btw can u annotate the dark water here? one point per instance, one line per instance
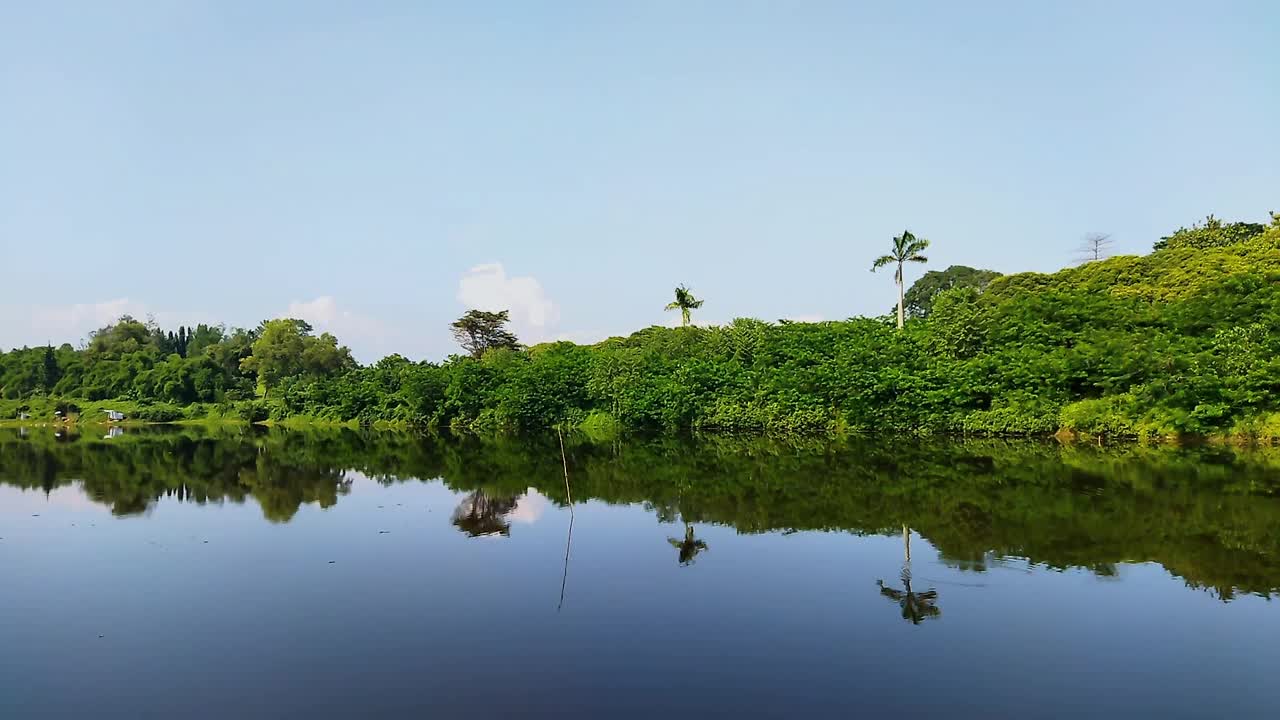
(344, 574)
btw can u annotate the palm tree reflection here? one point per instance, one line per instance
(479, 515)
(916, 606)
(689, 547)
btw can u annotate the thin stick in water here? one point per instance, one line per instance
(565, 461)
(568, 543)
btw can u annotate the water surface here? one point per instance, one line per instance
(287, 574)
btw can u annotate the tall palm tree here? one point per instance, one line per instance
(685, 302)
(906, 248)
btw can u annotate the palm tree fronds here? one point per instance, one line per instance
(906, 248)
(917, 245)
(684, 302)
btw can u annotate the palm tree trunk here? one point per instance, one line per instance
(901, 300)
(906, 541)
(684, 316)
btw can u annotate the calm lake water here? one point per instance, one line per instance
(286, 574)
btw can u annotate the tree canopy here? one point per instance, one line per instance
(286, 348)
(479, 331)
(1185, 340)
(923, 292)
(1213, 233)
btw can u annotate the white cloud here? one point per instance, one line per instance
(534, 316)
(64, 499)
(33, 325)
(368, 337)
(323, 314)
(87, 315)
(529, 507)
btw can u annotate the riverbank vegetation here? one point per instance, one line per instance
(1183, 341)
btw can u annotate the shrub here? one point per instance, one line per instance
(252, 411)
(158, 414)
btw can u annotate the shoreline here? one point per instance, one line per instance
(1062, 436)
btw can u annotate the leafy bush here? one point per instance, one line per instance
(158, 414)
(252, 411)
(1112, 416)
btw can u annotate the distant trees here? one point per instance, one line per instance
(51, 373)
(1184, 340)
(920, 297)
(204, 337)
(906, 248)
(127, 335)
(479, 331)
(686, 303)
(1212, 233)
(286, 348)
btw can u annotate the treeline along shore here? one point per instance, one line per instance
(1184, 341)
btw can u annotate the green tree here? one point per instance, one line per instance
(286, 348)
(1210, 234)
(906, 248)
(52, 373)
(686, 303)
(956, 324)
(123, 337)
(922, 293)
(479, 331)
(203, 337)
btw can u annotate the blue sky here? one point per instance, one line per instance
(377, 167)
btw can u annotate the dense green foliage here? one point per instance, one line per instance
(132, 359)
(923, 292)
(287, 349)
(1207, 514)
(1185, 340)
(1212, 233)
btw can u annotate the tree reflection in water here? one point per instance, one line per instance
(479, 515)
(916, 606)
(689, 547)
(1207, 514)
